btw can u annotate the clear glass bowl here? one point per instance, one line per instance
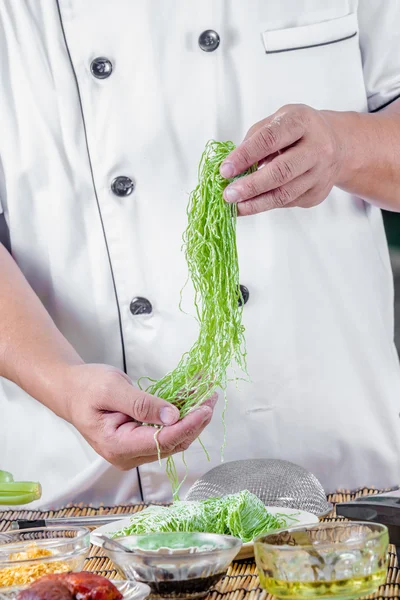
(175, 565)
(331, 560)
(61, 549)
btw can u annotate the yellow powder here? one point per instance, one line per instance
(25, 574)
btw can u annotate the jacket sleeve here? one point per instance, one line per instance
(379, 24)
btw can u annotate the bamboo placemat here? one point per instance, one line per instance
(241, 581)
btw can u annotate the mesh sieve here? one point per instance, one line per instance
(275, 482)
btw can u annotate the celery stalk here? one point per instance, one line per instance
(6, 477)
(20, 487)
(17, 499)
(19, 492)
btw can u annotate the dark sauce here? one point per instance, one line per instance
(196, 587)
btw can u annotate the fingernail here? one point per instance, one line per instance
(231, 194)
(227, 170)
(168, 415)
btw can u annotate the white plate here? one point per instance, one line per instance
(247, 550)
(131, 590)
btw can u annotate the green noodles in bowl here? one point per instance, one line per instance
(240, 515)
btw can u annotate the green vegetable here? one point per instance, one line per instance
(17, 492)
(6, 477)
(209, 243)
(242, 515)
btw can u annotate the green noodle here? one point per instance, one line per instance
(209, 244)
(242, 515)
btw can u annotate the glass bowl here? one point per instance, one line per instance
(27, 554)
(331, 560)
(175, 565)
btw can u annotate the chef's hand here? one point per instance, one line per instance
(109, 411)
(300, 156)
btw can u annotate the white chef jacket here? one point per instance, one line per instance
(325, 379)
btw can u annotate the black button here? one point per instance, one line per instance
(122, 186)
(101, 68)
(209, 40)
(141, 306)
(244, 295)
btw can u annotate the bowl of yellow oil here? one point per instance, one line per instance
(343, 560)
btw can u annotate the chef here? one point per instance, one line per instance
(105, 111)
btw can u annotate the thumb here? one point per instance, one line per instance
(143, 407)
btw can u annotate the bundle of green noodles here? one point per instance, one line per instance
(209, 243)
(242, 515)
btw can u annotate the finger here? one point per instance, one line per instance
(130, 444)
(129, 439)
(311, 198)
(184, 433)
(141, 442)
(285, 167)
(114, 420)
(120, 396)
(126, 377)
(265, 161)
(277, 132)
(253, 129)
(281, 197)
(212, 401)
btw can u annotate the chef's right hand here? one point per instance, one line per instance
(108, 411)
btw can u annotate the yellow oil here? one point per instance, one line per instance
(342, 588)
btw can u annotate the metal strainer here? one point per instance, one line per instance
(275, 482)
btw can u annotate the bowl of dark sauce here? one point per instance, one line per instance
(175, 565)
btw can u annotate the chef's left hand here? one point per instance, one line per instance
(300, 159)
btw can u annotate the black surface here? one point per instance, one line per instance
(4, 233)
(26, 524)
(383, 510)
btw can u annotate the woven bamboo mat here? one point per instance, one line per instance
(241, 581)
